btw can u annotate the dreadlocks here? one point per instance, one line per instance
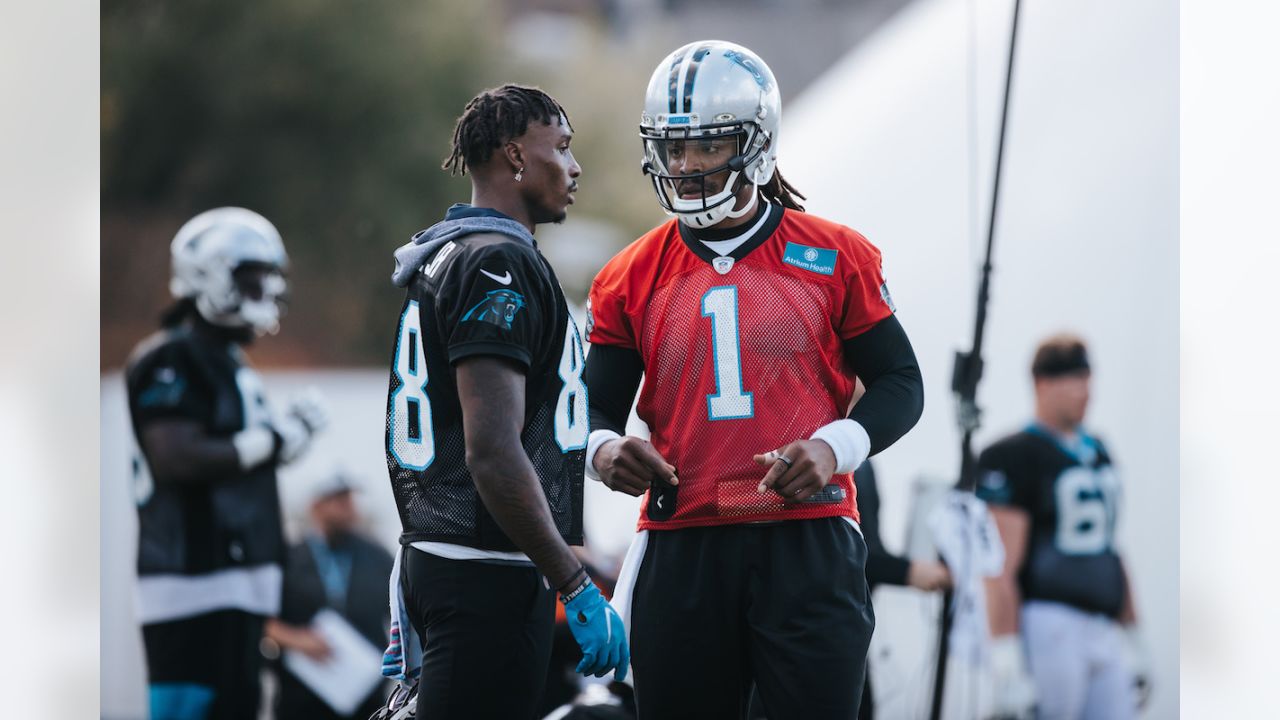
(494, 117)
(779, 191)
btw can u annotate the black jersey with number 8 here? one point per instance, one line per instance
(483, 294)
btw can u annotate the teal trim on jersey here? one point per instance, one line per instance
(1085, 454)
(816, 260)
(164, 393)
(179, 701)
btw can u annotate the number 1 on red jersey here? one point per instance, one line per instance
(730, 401)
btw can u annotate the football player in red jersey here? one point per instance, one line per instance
(750, 322)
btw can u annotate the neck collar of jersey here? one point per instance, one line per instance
(1080, 446)
(693, 238)
(460, 211)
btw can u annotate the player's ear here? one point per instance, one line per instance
(514, 153)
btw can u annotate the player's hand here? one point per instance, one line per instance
(307, 415)
(310, 408)
(798, 470)
(1140, 664)
(928, 575)
(598, 630)
(312, 644)
(1014, 689)
(630, 464)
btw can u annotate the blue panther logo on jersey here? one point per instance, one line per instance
(498, 307)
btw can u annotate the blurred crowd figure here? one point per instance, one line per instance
(1064, 631)
(333, 567)
(211, 542)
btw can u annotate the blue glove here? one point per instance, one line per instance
(599, 632)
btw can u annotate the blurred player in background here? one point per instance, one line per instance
(334, 567)
(210, 542)
(750, 321)
(1059, 611)
(487, 426)
(885, 568)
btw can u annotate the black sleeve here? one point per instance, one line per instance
(882, 567)
(493, 300)
(1005, 477)
(883, 359)
(612, 375)
(166, 383)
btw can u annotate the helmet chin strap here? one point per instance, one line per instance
(755, 197)
(701, 218)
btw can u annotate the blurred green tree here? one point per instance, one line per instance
(330, 118)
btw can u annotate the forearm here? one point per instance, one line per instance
(886, 569)
(612, 375)
(1129, 610)
(1003, 601)
(510, 491)
(181, 452)
(491, 392)
(284, 634)
(884, 360)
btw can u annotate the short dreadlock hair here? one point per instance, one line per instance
(494, 117)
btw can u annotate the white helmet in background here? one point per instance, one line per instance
(207, 253)
(711, 88)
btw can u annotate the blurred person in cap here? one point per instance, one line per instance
(1062, 613)
(210, 538)
(486, 428)
(749, 321)
(338, 568)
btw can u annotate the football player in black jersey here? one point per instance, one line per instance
(486, 429)
(210, 542)
(1060, 610)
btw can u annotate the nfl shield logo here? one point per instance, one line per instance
(722, 265)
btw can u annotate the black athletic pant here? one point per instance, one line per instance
(218, 651)
(782, 604)
(487, 632)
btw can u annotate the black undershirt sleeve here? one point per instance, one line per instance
(883, 359)
(612, 375)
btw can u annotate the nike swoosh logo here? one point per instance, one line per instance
(504, 278)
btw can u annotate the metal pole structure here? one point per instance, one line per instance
(968, 371)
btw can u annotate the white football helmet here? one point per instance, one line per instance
(207, 252)
(710, 88)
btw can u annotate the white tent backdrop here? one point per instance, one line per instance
(1086, 240)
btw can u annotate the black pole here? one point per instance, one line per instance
(968, 371)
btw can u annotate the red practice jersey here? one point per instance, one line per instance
(741, 356)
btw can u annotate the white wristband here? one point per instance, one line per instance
(594, 441)
(254, 446)
(849, 442)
